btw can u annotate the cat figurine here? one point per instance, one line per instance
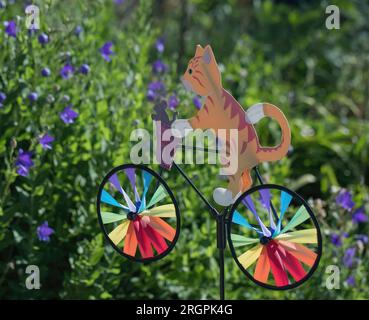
(221, 111)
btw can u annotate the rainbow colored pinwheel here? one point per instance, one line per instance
(282, 251)
(137, 211)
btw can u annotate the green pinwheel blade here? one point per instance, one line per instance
(109, 217)
(159, 194)
(239, 241)
(300, 216)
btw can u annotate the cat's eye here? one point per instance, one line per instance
(190, 71)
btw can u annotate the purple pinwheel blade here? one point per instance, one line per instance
(115, 182)
(131, 174)
(247, 201)
(265, 197)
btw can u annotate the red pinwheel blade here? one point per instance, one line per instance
(279, 274)
(292, 265)
(163, 228)
(143, 240)
(299, 251)
(156, 239)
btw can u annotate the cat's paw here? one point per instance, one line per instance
(255, 113)
(224, 197)
(180, 128)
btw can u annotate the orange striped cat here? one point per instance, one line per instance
(222, 111)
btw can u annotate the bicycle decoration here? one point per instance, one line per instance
(272, 232)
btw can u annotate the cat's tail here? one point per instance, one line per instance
(261, 110)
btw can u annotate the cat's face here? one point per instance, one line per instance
(202, 75)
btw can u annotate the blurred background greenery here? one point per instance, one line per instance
(275, 51)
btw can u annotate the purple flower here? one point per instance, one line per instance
(363, 238)
(336, 239)
(45, 72)
(159, 67)
(2, 98)
(344, 199)
(348, 258)
(118, 2)
(68, 115)
(24, 162)
(173, 102)
(84, 69)
(106, 50)
(351, 281)
(159, 45)
(67, 71)
(43, 38)
(44, 232)
(197, 102)
(359, 215)
(11, 28)
(33, 96)
(157, 86)
(155, 89)
(78, 30)
(45, 141)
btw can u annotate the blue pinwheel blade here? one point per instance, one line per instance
(147, 178)
(285, 202)
(242, 221)
(106, 197)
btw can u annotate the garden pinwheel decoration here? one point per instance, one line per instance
(272, 232)
(140, 222)
(274, 237)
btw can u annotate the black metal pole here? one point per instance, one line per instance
(221, 244)
(221, 274)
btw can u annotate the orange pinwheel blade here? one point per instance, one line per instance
(163, 228)
(299, 251)
(262, 268)
(130, 243)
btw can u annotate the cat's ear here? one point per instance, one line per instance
(199, 50)
(208, 55)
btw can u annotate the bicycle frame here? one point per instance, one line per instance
(220, 217)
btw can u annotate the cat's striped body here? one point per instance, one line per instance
(222, 111)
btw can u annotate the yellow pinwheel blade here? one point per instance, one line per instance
(118, 234)
(250, 256)
(164, 211)
(300, 236)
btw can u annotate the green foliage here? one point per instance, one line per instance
(271, 52)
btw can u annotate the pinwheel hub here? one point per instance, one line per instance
(132, 216)
(265, 240)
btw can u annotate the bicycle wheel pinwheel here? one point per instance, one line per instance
(138, 213)
(274, 237)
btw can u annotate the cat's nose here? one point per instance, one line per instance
(186, 84)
